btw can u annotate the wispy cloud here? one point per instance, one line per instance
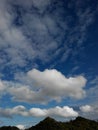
(41, 30)
(2, 88)
(45, 34)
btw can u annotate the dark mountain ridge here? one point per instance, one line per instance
(79, 123)
(48, 123)
(8, 128)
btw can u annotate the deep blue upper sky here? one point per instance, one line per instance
(48, 60)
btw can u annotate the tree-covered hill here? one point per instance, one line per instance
(48, 123)
(78, 124)
(9, 128)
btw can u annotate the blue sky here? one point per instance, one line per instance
(48, 60)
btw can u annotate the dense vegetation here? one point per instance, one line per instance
(50, 124)
(78, 124)
(9, 128)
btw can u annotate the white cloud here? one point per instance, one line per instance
(15, 46)
(9, 112)
(38, 112)
(86, 108)
(41, 87)
(21, 127)
(92, 93)
(56, 111)
(94, 81)
(53, 83)
(2, 88)
(20, 110)
(25, 94)
(13, 53)
(90, 111)
(45, 32)
(41, 4)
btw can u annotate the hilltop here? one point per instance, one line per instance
(79, 123)
(49, 123)
(9, 128)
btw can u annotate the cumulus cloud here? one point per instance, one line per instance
(86, 108)
(38, 112)
(25, 94)
(92, 92)
(21, 127)
(20, 110)
(9, 112)
(57, 111)
(90, 111)
(45, 86)
(53, 83)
